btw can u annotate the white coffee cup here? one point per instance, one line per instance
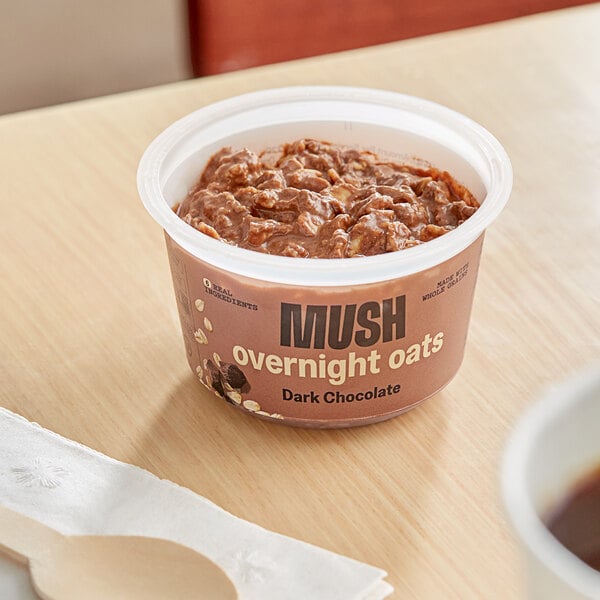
(554, 445)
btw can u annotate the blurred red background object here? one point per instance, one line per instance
(227, 35)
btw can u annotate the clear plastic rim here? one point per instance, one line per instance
(325, 272)
(520, 509)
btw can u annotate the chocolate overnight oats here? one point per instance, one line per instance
(324, 343)
(315, 199)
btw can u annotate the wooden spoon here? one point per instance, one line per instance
(97, 567)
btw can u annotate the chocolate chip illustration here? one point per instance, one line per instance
(224, 378)
(215, 378)
(217, 385)
(234, 376)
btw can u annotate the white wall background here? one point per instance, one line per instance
(54, 51)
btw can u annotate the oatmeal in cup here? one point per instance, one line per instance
(334, 301)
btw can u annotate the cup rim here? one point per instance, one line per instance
(530, 528)
(323, 271)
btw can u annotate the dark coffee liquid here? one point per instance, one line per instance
(575, 522)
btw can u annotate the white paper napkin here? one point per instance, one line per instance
(79, 491)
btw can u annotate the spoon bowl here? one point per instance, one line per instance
(96, 567)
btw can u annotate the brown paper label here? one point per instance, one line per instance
(328, 355)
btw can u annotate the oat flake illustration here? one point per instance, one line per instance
(41, 472)
(200, 336)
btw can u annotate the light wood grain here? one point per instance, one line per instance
(90, 342)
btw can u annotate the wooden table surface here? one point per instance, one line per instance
(90, 345)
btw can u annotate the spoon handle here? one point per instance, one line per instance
(23, 538)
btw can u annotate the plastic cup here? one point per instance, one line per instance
(260, 330)
(554, 445)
